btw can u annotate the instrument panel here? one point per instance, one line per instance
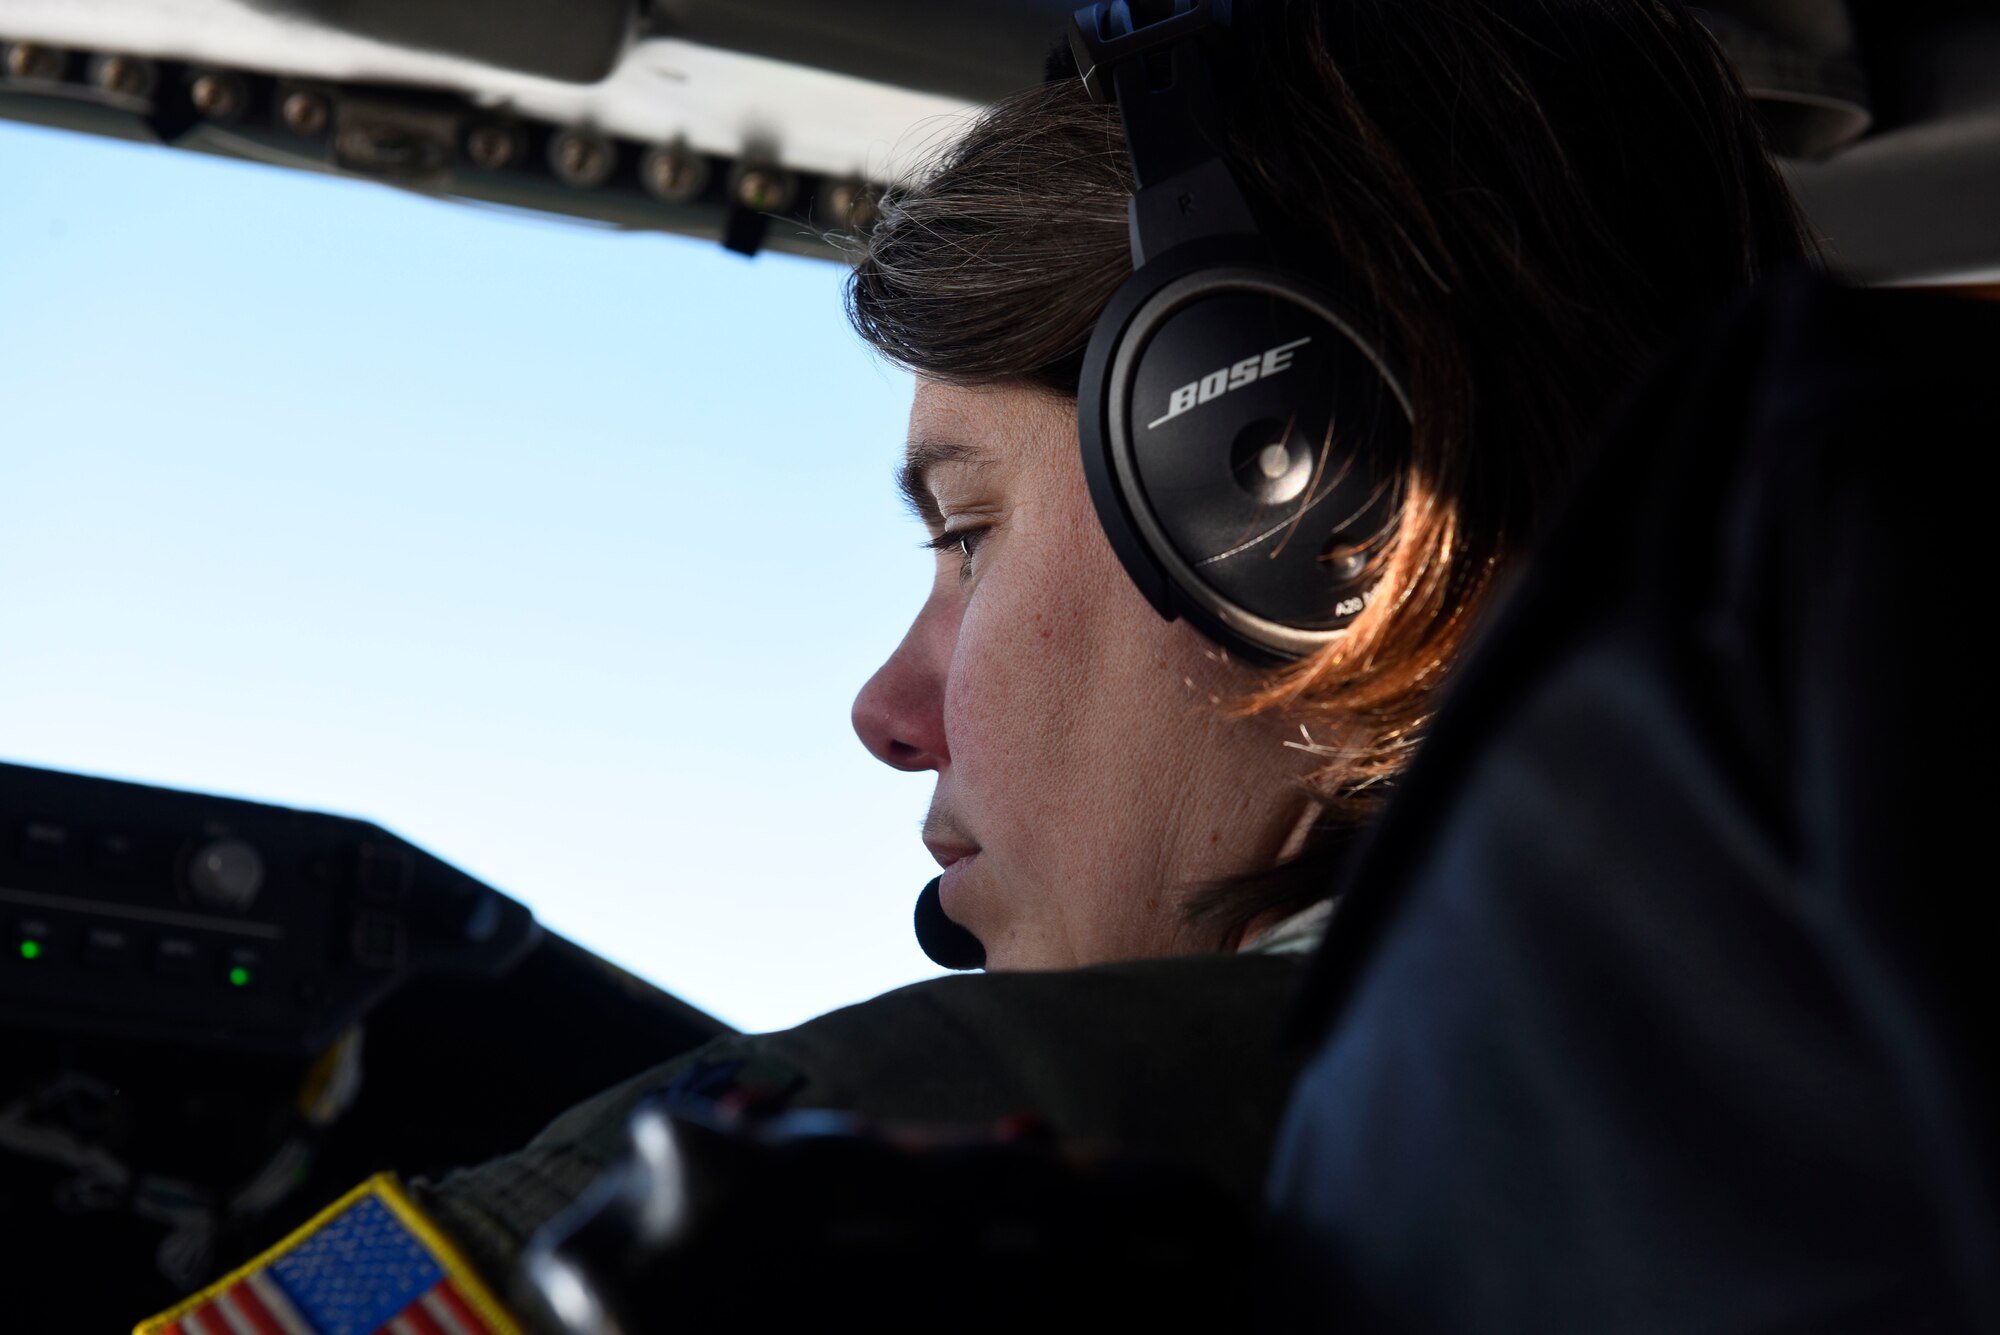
(152, 913)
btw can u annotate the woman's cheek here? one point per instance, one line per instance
(980, 691)
(1006, 708)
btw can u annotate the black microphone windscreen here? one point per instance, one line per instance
(948, 944)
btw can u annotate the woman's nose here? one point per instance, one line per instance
(899, 714)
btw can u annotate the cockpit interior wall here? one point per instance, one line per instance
(144, 1167)
(1916, 199)
(1797, 59)
(975, 49)
(579, 41)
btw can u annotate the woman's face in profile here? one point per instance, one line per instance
(1087, 781)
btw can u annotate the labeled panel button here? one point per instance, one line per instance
(44, 841)
(240, 968)
(176, 957)
(33, 939)
(108, 949)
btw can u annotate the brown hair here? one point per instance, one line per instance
(1530, 199)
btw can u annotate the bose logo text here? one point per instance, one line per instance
(1217, 383)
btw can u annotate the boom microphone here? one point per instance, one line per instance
(947, 943)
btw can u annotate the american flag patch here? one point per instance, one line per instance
(369, 1264)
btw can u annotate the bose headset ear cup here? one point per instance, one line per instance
(1242, 447)
(1241, 437)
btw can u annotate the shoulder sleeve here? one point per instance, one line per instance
(1171, 1059)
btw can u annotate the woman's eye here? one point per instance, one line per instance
(964, 541)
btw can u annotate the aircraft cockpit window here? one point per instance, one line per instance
(554, 548)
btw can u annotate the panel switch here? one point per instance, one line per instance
(108, 949)
(176, 957)
(381, 941)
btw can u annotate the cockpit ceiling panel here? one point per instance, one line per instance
(773, 123)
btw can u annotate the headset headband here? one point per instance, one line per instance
(1185, 191)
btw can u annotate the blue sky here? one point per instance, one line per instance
(559, 551)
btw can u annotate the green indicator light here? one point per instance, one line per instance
(31, 950)
(239, 977)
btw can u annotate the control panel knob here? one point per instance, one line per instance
(226, 874)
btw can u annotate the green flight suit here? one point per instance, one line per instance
(1170, 1059)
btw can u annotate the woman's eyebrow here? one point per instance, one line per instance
(913, 478)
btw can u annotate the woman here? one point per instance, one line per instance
(1531, 201)
(1524, 204)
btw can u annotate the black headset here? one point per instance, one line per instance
(1242, 437)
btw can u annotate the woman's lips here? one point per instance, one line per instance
(954, 872)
